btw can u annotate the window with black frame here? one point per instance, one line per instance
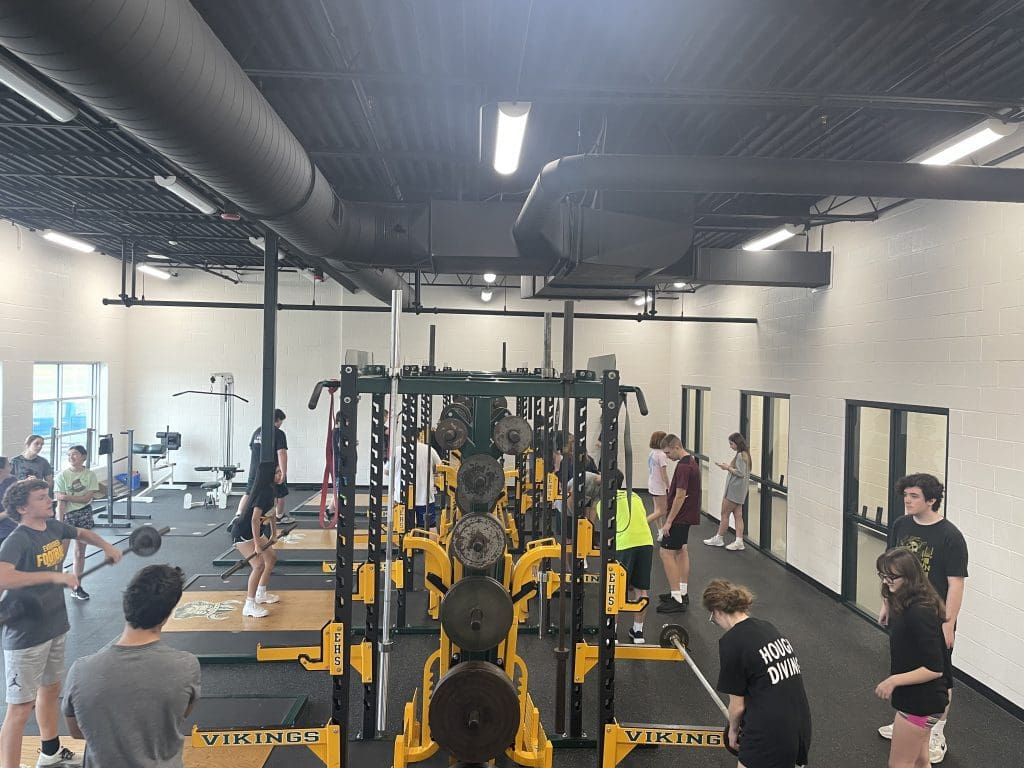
(764, 422)
(692, 430)
(884, 442)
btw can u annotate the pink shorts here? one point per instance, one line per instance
(921, 721)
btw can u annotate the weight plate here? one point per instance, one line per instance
(670, 631)
(513, 434)
(474, 712)
(465, 400)
(476, 613)
(499, 402)
(457, 411)
(144, 541)
(451, 434)
(478, 541)
(479, 483)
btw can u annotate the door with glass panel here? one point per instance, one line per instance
(692, 431)
(884, 442)
(764, 421)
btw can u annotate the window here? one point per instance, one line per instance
(693, 431)
(764, 421)
(65, 403)
(884, 442)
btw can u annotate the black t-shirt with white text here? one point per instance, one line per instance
(915, 640)
(940, 547)
(759, 664)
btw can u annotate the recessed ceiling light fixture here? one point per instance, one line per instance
(67, 241)
(508, 144)
(968, 142)
(774, 237)
(34, 90)
(153, 271)
(182, 190)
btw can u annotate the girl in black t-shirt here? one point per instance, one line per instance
(251, 533)
(916, 656)
(769, 718)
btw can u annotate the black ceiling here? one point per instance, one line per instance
(386, 95)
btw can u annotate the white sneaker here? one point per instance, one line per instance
(886, 731)
(715, 541)
(254, 611)
(267, 598)
(937, 749)
(736, 546)
(64, 756)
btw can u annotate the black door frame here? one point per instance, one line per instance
(767, 451)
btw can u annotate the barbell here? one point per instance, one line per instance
(16, 604)
(674, 636)
(241, 563)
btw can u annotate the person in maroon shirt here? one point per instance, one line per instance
(683, 504)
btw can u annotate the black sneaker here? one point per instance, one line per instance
(674, 606)
(637, 636)
(80, 594)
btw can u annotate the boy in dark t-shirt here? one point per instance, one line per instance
(683, 503)
(280, 460)
(942, 551)
(31, 568)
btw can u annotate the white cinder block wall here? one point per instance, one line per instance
(926, 308)
(175, 349)
(50, 310)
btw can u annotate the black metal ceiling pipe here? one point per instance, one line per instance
(759, 175)
(157, 70)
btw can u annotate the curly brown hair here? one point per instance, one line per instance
(17, 496)
(724, 596)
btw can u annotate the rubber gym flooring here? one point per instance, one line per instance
(841, 655)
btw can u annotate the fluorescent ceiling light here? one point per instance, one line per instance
(153, 271)
(680, 285)
(486, 294)
(968, 142)
(775, 237)
(512, 117)
(34, 90)
(156, 256)
(67, 242)
(186, 193)
(490, 277)
(258, 243)
(639, 301)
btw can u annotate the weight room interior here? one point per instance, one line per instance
(907, 356)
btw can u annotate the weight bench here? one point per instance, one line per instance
(216, 491)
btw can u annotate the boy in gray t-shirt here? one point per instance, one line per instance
(129, 700)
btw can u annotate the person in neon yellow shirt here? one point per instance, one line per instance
(634, 548)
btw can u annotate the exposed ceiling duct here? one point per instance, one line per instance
(158, 71)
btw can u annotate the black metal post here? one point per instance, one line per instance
(578, 511)
(345, 476)
(133, 269)
(410, 440)
(378, 451)
(610, 403)
(268, 452)
(561, 652)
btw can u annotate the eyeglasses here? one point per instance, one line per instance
(711, 617)
(888, 578)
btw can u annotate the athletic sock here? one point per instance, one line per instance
(638, 626)
(938, 729)
(677, 596)
(682, 587)
(250, 602)
(260, 592)
(50, 747)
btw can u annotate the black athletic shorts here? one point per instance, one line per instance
(280, 490)
(637, 562)
(947, 671)
(238, 536)
(677, 537)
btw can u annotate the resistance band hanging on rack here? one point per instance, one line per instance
(329, 477)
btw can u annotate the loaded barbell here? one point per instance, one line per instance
(241, 563)
(674, 636)
(143, 541)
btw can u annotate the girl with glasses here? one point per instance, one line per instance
(915, 687)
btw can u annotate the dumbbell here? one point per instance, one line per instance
(144, 541)
(674, 636)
